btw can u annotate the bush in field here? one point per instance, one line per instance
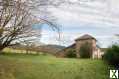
(85, 50)
(112, 55)
(71, 53)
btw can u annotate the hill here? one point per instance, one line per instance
(52, 49)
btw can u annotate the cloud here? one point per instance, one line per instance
(99, 18)
(76, 14)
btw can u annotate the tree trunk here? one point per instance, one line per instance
(1, 48)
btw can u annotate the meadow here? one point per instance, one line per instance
(23, 66)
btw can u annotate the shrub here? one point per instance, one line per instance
(112, 55)
(71, 53)
(85, 50)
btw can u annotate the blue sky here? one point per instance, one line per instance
(99, 18)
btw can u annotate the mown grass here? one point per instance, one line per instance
(21, 66)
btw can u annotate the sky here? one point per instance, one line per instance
(99, 18)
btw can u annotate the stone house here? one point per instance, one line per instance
(96, 51)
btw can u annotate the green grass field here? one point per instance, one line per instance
(21, 66)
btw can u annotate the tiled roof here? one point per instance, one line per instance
(84, 37)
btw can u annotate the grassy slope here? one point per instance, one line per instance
(48, 67)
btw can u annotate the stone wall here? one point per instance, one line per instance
(96, 52)
(81, 42)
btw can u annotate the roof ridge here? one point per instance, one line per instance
(86, 36)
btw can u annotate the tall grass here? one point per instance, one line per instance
(15, 66)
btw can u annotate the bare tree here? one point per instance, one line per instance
(17, 19)
(16, 22)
